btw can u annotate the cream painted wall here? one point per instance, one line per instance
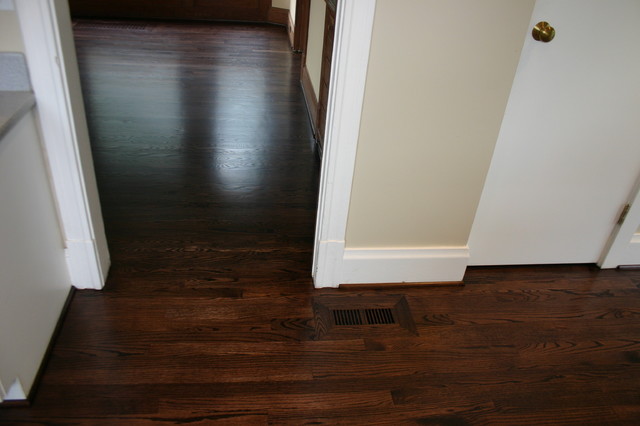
(292, 10)
(282, 4)
(34, 282)
(315, 42)
(10, 37)
(436, 92)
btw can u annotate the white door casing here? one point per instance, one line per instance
(623, 247)
(87, 263)
(568, 153)
(46, 31)
(354, 24)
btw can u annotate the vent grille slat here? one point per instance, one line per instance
(347, 317)
(371, 316)
(380, 316)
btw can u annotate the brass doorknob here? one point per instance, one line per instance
(543, 32)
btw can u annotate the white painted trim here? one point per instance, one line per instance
(404, 265)
(45, 58)
(15, 392)
(623, 246)
(354, 25)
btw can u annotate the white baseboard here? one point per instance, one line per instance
(327, 264)
(85, 269)
(15, 392)
(404, 265)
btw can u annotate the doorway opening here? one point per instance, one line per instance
(203, 152)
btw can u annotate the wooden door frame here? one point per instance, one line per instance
(303, 12)
(301, 26)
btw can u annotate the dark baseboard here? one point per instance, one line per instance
(310, 99)
(229, 10)
(279, 16)
(45, 359)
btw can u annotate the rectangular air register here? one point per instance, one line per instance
(349, 317)
(363, 316)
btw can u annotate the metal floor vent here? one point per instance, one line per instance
(349, 317)
(372, 316)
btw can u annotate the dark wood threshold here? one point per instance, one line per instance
(45, 359)
(160, 21)
(394, 286)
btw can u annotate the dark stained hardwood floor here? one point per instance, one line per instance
(208, 180)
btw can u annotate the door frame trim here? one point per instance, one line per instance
(300, 26)
(354, 27)
(69, 169)
(65, 138)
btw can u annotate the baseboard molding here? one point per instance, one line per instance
(278, 16)
(84, 265)
(404, 265)
(14, 397)
(45, 358)
(327, 264)
(310, 98)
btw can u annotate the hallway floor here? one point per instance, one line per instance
(208, 178)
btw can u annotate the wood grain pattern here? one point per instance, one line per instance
(208, 181)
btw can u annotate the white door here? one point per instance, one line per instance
(568, 153)
(623, 247)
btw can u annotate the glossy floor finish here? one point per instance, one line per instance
(208, 181)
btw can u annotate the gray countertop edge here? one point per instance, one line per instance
(13, 106)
